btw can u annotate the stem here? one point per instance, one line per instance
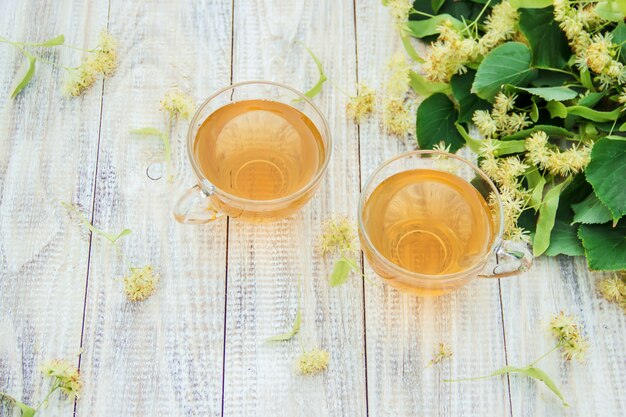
(469, 379)
(413, 11)
(558, 345)
(475, 22)
(54, 387)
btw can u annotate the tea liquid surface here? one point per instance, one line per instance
(428, 221)
(259, 149)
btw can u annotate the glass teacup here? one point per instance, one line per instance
(259, 150)
(430, 222)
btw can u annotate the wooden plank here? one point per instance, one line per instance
(592, 388)
(162, 356)
(403, 331)
(265, 261)
(48, 150)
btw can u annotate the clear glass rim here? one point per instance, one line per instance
(204, 182)
(496, 240)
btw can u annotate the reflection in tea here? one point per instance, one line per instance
(259, 149)
(429, 222)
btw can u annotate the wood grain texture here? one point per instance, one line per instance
(47, 155)
(592, 388)
(265, 261)
(403, 331)
(162, 356)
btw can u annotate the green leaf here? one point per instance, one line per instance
(537, 193)
(594, 115)
(547, 216)
(556, 109)
(291, 333)
(550, 93)
(564, 240)
(27, 410)
(410, 50)
(56, 41)
(340, 273)
(510, 146)
(591, 99)
(425, 88)
(436, 118)
(534, 111)
(548, 43)
(535, 373)
(317, 88)
(473, 143)
(430, 26)
(547, 78)
(553, 131)
(619, 38)
(605, 246)
(530, 4)
(436, 5)
(124, 232)
(468, 102)
(507, 64)
(27, 71)
(585, 80)
(591, 211)
(610, 10)
(606, 173)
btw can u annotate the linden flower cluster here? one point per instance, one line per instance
(362, 103)
(338, 236)
(614, 289)
(546, 156)
(102, 60)
(140, 284)
(397, 114)
(501, 121)
(452, 51)
(312, 362)
(399, 10)
(443, 352)
(176, 103)
(576, 22)
(568, 334)
(66, 377)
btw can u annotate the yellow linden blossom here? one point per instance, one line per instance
(399, 10)
(448, 55)
(65, 375)
(312, 362)
(443, 352)
(537, 147)
(398, 119)
(398, 80)
(613, 289)
(362, 103)
(566, 330)
(176, 103)
(102, 60)
(499, 27)
(570, 161)
(485, 123)
(513, 204)
(574, 23)
(140, 284)
(338, 235)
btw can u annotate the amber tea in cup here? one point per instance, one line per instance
(259, 150)
(426, 226)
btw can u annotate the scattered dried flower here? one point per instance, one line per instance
(140, 284)
(398, 119)
(175, 103)
(443, 352)
(567, 332)
(65, 377)
(312, 362)
(338, 236)
(614, 290)
(362, 103)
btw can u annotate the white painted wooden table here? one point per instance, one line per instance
(196, 347)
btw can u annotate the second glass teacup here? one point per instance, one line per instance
(430, 222)
(259, 150)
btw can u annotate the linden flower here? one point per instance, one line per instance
(338, 235)
(443, 352)
(567, 331)
(397, 82)
(537, 147)
(362, 103)
(599, 55)
(513, 204)
(622, 97)
(613, 289)
(397, 117)
(448, 55)
(312, 362)
(140, 284)
(65, 375)
(571, 161)
(102, 60)
(399, 10)
(176, 103)
(485, 123)
(499, 27)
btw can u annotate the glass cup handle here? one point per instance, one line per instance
(510, 258)
(195, 207)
